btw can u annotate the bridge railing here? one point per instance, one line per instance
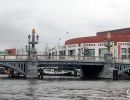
(62, 57)
(5, 57)
(121, 60)
(53, 57)
(67, 57)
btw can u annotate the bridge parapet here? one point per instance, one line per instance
(53, 57)
(61, 57)
(70, 58)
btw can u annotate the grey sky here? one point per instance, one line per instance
(53, 18)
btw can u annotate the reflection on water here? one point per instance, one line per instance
(63, 88)
(31, 89)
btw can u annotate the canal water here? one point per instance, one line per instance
(63, 88)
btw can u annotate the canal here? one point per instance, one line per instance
(63, 88)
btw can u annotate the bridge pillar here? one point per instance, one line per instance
(81, 74)
(109, 66)
(32, 70)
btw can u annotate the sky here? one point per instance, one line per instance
(52, 19)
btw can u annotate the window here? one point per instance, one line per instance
(128, 56)
(91, 52)
(123, 56)
(71, 52)
(128, 50)
(102, 51)
(10, 52)
(123, 50)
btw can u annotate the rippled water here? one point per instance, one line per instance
(64, 88)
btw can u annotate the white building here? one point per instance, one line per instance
(94, 45)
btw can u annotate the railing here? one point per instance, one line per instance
(53, 57)
(61, 57)
(122, 60)
(6, 57)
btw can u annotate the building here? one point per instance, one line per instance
(11, 52)
(94, 45)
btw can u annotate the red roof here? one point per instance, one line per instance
(120, 35)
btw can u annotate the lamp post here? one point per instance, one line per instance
(108, 43)
(31, 44)
(32, 57)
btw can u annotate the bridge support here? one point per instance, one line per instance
(81, 73)
(32, 70)
(109, 66)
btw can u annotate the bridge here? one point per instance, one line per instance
(90, 67)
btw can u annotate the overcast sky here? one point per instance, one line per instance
(53, 18)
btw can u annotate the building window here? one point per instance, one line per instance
(123, 56)
(79, 52)
(60, 52)
(102, 52)
(91, 52)
(123, 50)
(10, 52)
(128, 56)
(71, 52)
(128, 50)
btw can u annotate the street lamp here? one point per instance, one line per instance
(108, 43)
(37, 37)
(26, 48)
(29, 37)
